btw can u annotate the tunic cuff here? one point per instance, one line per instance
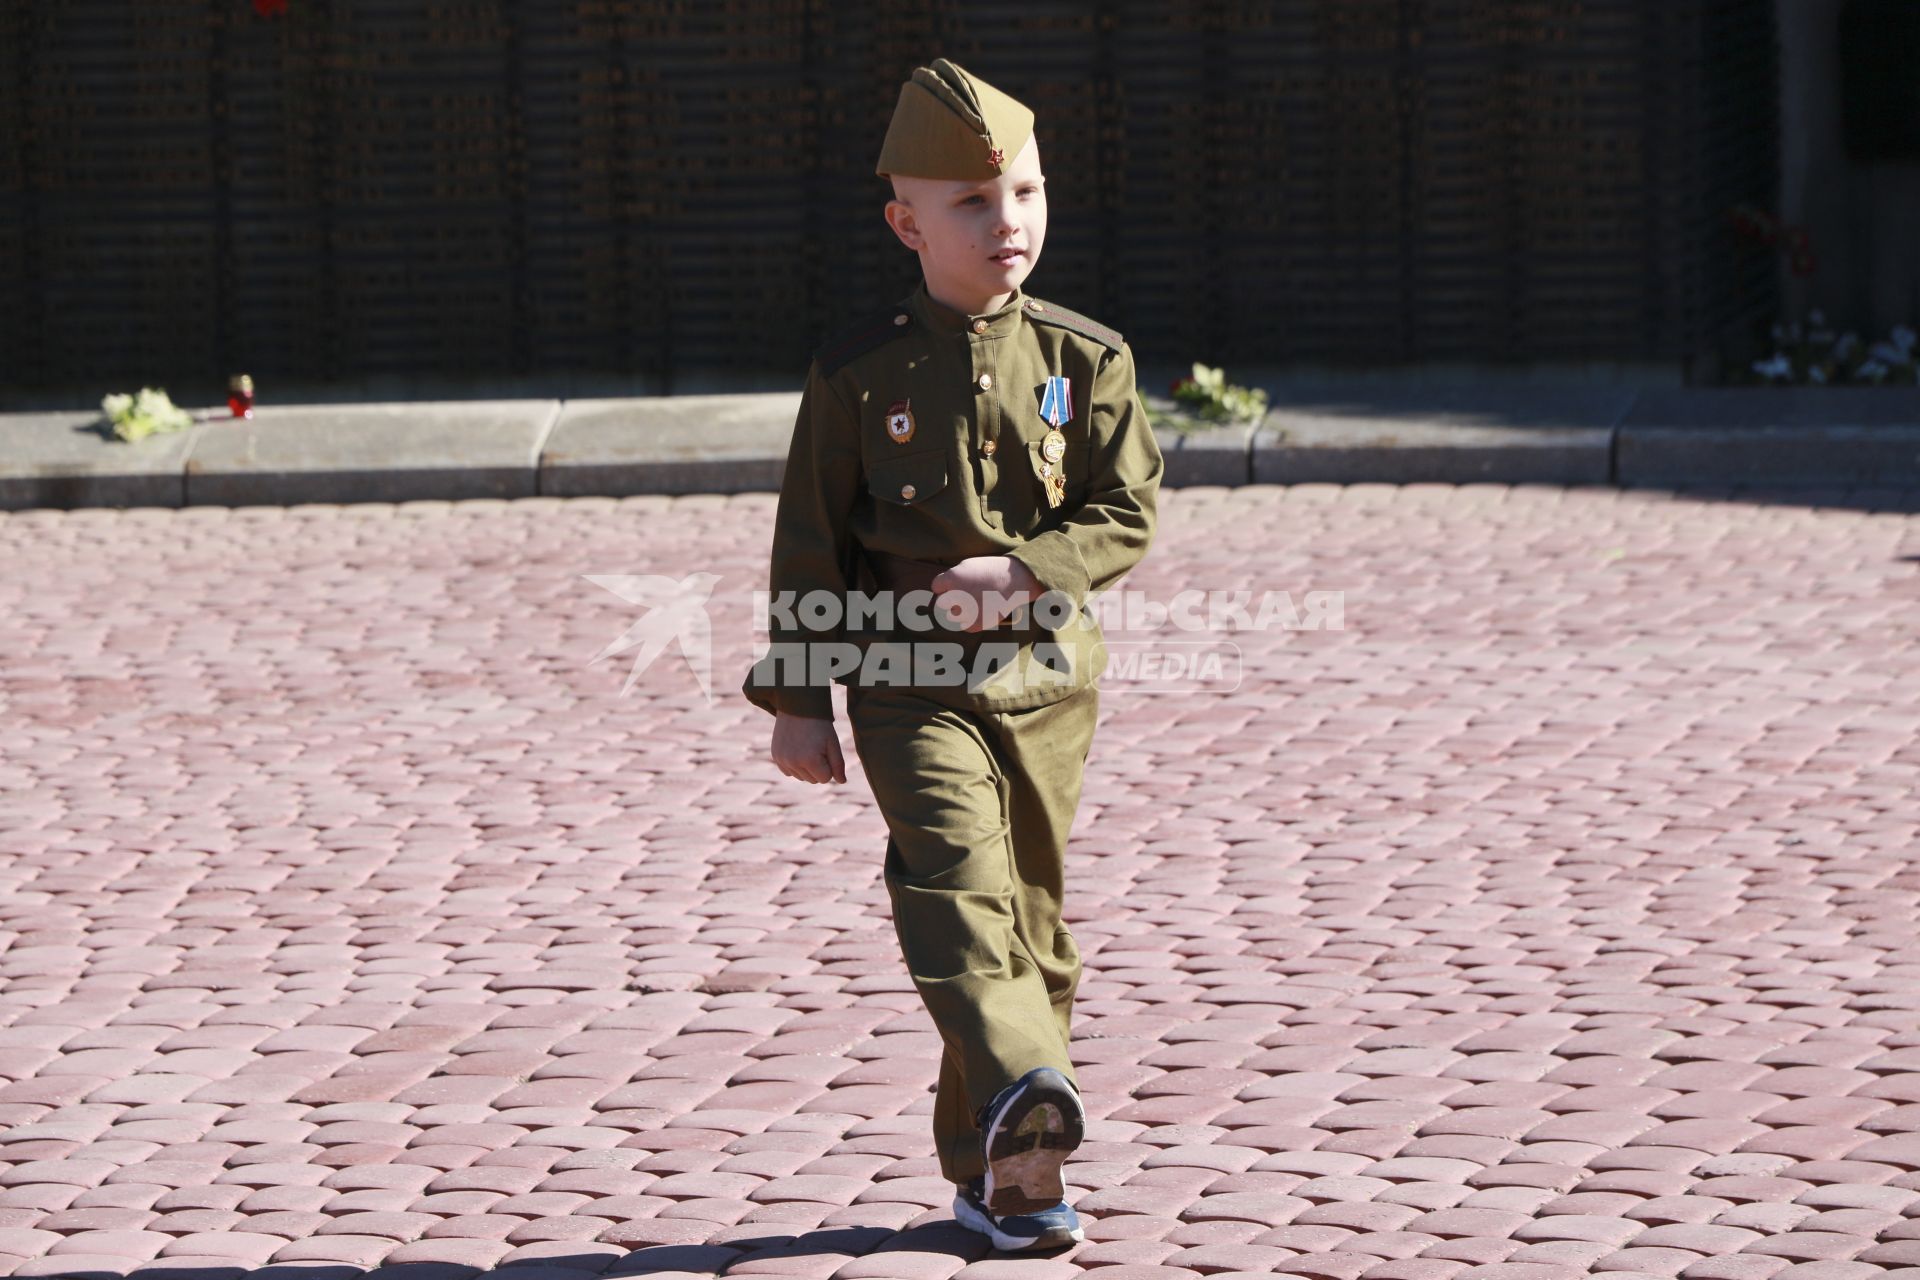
(813, 701)
(1056, 564)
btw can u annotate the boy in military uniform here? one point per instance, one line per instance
(985, 450)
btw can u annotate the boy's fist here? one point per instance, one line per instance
(807, 748)
(997, 585)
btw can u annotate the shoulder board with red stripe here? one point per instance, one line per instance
(862, 336)
(1054, 313)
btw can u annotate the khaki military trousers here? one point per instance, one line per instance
(978, 805)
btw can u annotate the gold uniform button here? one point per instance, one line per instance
(988, 448)
(986, 381)
(906, 491)
(900, 319)
(1034, 305)
(979, 326)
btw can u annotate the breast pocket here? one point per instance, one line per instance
(907, 482)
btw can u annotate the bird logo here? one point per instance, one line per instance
(677, 615)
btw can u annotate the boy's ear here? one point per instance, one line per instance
(899, 216)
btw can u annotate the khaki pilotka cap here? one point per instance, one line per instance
(949, 124)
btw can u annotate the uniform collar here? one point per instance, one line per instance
(941, 318)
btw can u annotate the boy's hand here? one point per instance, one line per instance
(807, 748)
(975, 577)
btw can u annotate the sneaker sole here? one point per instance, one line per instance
(973, 1220)
(1028, 1142)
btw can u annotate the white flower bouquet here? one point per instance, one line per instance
(1814, 355)
(137, 417)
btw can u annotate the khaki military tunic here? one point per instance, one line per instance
(967, 481)
(978, 783)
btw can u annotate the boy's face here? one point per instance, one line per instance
(961, 229)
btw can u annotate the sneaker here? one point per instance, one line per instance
(1048, 1229)
(1026, 1134)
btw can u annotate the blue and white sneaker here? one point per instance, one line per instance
(1048, 1229)
(1026, 1134)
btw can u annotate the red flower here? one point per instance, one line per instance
(269, 8)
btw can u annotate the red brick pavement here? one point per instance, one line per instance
(1555, 917)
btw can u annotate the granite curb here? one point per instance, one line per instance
(449, 450)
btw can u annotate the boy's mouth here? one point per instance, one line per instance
(1010, 257)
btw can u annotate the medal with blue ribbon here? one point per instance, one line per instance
(1056, 403)
(1056, 406)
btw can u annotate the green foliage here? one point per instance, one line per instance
(1207, 398)
(137, 417)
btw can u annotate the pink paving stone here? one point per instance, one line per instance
(1210, 1258)
(1226, 1159)
(1698, 1237)
(100, 1219)
(1563, 1253)
(1809, 1246)
(1893, 1253)
(464, 1253)
(1214, 1231)
(1391, 1244)
(639, 1233)
(286, 1225)
(247, 1245)
(1477, 1250)
(1898, 1149)
(1657, 1262)
(1126, 1226)
(536, 1204)
(1422, 1169)
(1576, 1226)
(78, 1172)
(1458, 1222)
(1244, 1207)
(694, 1186)
(1018, 1269)
(126, 1244)
(902, 1264)
(483, 1226)
(580, 1226)
(27, 1240)
(353, 1250)
(393, 1226)
(1810, 1142)
(1371, 1218)
(72, 1264)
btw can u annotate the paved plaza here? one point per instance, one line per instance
(1555, 915)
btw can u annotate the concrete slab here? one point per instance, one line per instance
(72, 459)
(441, 449)
(1446, 435)
(670, 444)
(1208, 455)
(1772, 435)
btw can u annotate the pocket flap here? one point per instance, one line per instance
(907, 481)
